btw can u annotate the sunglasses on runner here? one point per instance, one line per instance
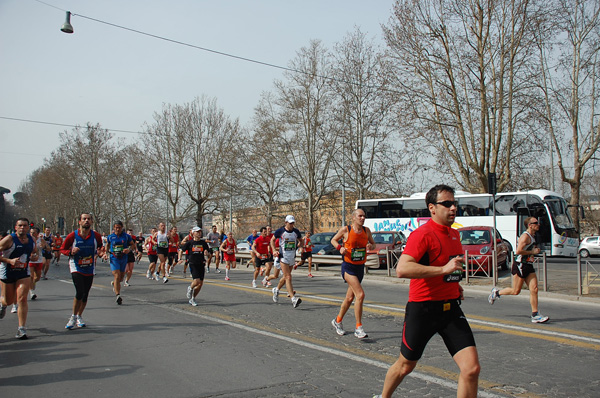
(534, 223)
(448, 203)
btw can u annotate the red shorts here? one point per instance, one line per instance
(36, 266)
(229, 257)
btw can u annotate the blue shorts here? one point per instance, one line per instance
(353, 269)
(118, 264)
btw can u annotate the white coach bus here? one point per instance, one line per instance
(557, 235)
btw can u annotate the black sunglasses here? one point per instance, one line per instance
(448, 203)
(534, 223)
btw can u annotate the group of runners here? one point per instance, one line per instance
(432, 259)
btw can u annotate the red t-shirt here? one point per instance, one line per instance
(433, 244)
(174, 244)
(307, 245)
(262, 244)
(152, 245)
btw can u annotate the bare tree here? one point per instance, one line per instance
(364, 107)
(85, 155)
(464, 69)
(211, 142)
(309, 141)
(570, 74)
(165, 146)
(133, 195)
(266, 177)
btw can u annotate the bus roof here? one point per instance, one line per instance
(541, 193)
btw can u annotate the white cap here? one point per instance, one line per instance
(290, 219)
(196, 229)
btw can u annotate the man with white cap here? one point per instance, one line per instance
(196, 248)
(289, 240)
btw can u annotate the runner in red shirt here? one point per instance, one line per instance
(56, 244)
(433, 261)
(229, 248)
(306, 254)
(261, 250)
(173, 249)
(151, 246)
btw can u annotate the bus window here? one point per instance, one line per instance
(474, 206)
(508, 205)
(415, 208)
(391, 209)
(370, 209)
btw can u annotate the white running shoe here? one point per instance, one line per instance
(15, 308)
(539, 318)
(148, 275)
(157, 277)
(360, 333)
(264, 281)
(218, 271)
(296, 301)
(126, 283)
(253, 283)
(21, 333)
(275, 295)
(79, 321)
(165, 280)
(494, 295)
(193, 302)
(339, 328)
(189, 292)
(71, 323)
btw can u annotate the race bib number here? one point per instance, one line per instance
(163, 244)
(289, 245)
(263, 256)
(456, 276)
(358, 254)
(197, 249)
(85, 261)
(117, 249)
(21, 263)
(154, 247)
(215, 249)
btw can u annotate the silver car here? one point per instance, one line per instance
(589, 246)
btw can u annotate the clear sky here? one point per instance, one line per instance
(107, 75)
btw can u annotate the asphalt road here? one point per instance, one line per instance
(238, 343)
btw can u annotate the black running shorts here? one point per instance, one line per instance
(522, 269)
(424, 319)
(197, 271)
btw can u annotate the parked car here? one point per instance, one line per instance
(387, 241)
(589, 246)
(322, 243)
(479, 243)
(243, 246)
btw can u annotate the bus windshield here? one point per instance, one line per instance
(559, 213)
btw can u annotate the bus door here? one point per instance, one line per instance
(544, 236)
(522, 214)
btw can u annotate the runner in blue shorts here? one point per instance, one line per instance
(118, 245)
